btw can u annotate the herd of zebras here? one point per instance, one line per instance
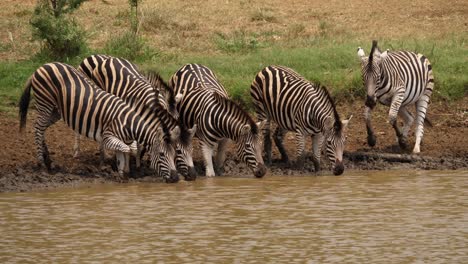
(109, 100)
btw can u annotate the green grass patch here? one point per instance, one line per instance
(331, 63)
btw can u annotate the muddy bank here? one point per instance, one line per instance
(445, 148)
(29, 177)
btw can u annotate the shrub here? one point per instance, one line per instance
(129, 46)
(61, 36)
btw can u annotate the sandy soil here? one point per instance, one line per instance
(445, 147)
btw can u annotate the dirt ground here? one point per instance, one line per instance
(445, 148)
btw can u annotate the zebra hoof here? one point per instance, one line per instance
(371, 140)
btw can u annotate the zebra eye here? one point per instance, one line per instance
(179, 151)
(161, 155)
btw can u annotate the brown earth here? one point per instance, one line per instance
(445, 147)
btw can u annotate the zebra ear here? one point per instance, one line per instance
(178, 98)
(261, 124)
(245, 129)
(328, 124)
(360, 53)
(346, 121)
(159, 134)
(175, 133)
(193, 130)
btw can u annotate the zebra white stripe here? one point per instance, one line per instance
(283, 96)
(205, 103)
(63, 92)
(397, 79)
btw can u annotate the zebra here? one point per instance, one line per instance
(205, 103)
(61, 91)
(122, 78)
(281, 95)
(397, 79)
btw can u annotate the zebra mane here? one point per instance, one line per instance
(184, 137)
(337, 125)
(371, 56)
(233, 105)
(160, 113)
(158, 82)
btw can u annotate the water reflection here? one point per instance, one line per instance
(378, 217)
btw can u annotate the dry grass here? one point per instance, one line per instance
(190, 26)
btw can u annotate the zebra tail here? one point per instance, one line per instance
(24, 103)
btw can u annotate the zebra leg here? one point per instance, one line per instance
(121, 160)
(300, 154)
(407, 119)
(421, 109)
(392, 118)
(371, 139)
(43, 121)
(317, 143)
(267, 143)
(76, 146)
(138, 155)
(279, 137)
(113, 143)
(220, 157)
(208, 156)
(102, 155)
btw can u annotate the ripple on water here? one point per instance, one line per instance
(359, 217)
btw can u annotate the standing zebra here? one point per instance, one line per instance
(295, 104)
(122, 78)
(205, 103)
(397, 79)
(63, 92)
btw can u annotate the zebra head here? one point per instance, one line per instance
(184, 149)
(249, 148)
(335, 142)
(162, 154)
(370, 68)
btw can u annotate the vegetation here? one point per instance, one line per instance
(315, 39)
(60, 35)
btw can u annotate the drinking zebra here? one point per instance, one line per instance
(122, 78)
(283, 96)
(205, 103)
(63, 92)
(397, 79)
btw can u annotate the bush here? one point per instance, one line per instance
(61, 37)
(129, 46)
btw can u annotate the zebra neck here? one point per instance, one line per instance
(144, 129)
(225, 124)
(313, 115)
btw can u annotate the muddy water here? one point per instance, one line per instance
(361, 217)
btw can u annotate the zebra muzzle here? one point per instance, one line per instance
(191, 174)
(260, 171)
(338, 169)
(173, 178)
(370, 102)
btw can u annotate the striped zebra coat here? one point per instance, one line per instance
(63, 92)
(397, 79)
(205, 103)
(122, 78)
(281, 95)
